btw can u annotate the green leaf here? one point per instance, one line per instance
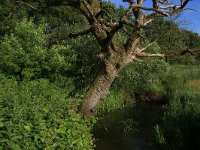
(1, 124)
(15, 146)
(28, 128)
(62, 130)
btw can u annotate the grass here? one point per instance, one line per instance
(194, 84)
(180, 127)
(114, 102)
(183, 77)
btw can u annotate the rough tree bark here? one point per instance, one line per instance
(113, 63)
(114, 55)
(98, 91)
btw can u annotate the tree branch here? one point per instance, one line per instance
(169, 7)
(51, 3)
(146, 47)
(71, 35)
(153, 9)
(142, 54)
(27, 4)
(176, 9)
(74, 35)
(138, 60)
(88, 8)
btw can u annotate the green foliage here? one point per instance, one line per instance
(141, 78)
(169, 37)
(25, 55)
(160, 139)
(87, 64)
(115, 101)
(58, 16)
(180, 128)
(36, 115)
(129, 126)
(191, 39)
(172, 40)
(184, 60)
(10, 12)
(111, 9)
(179, 76)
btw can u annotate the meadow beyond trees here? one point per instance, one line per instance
(62, 61)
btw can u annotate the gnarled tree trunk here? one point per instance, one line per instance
(98, 92)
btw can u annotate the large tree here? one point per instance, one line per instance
(114, 55)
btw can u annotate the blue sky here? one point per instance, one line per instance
(191, 18)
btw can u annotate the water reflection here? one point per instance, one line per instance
(110, 133)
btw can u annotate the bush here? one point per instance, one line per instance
(26, 55)
(37, 115)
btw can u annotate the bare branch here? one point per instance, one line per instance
(146, 47)
(142, 54)
(169, 7)
(71, 35)
(175, 9)
(138, 60)
(153, 9)
(148, 21)
(74, 35)
(129, 11)
(120, 24)
(184, 3)
(27, 4)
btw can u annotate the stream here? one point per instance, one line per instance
(128, 129)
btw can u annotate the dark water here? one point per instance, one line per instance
(110, 135)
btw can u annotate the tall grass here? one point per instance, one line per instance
(194, 84)
(180, 128)
(115, 101)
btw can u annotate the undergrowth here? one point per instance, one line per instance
(36, 115)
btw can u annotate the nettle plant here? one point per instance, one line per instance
(38, 115)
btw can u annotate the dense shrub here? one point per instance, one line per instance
(37, 115)
(26, 55)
